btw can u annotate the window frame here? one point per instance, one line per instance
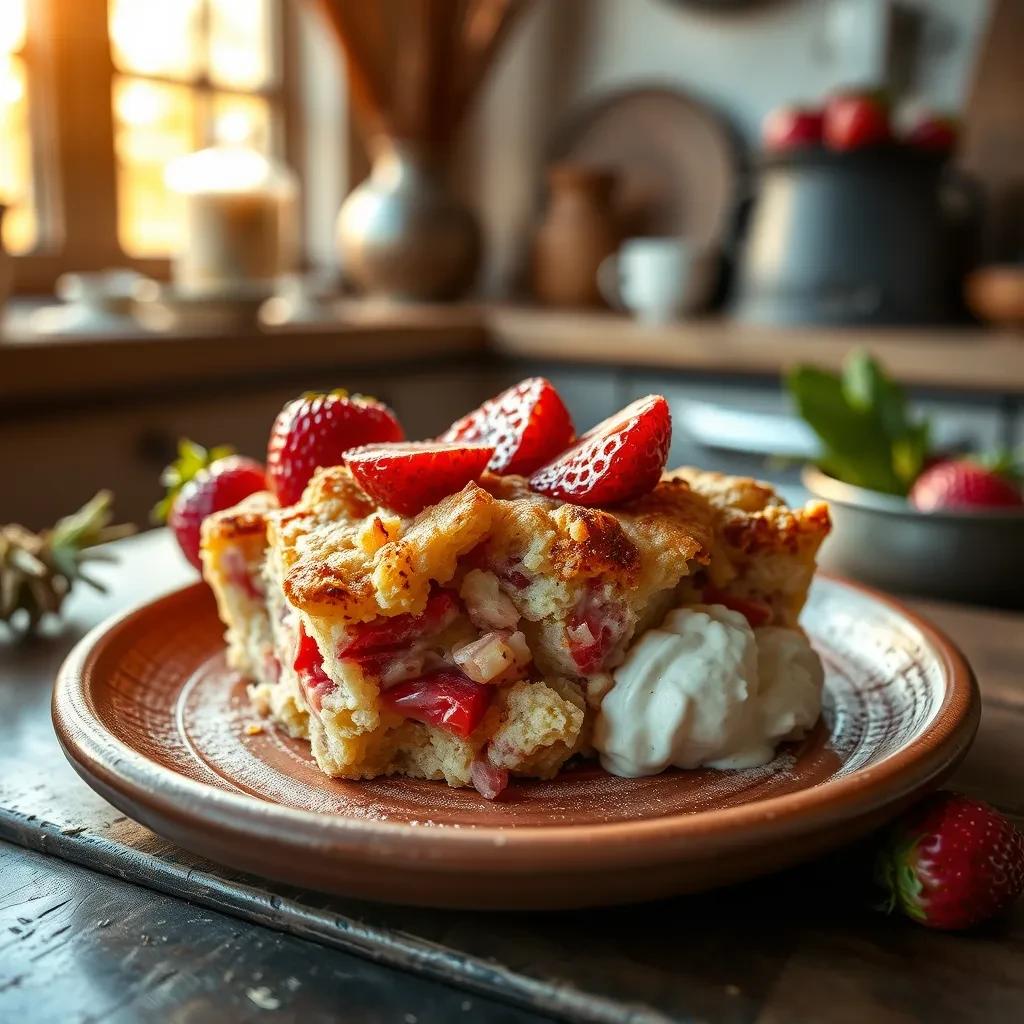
(70, 75)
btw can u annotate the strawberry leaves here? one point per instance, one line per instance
(191, 459)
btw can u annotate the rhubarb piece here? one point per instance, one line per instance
(445, 699)
(309, 664)
(489, 781)
(592, 632)
(400, 630)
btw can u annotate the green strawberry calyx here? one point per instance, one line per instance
(192, 458)
(897, 872)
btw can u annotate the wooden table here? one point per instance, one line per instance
(102, 920)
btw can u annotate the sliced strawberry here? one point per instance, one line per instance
(390, 634)
(408, 477)
(316, 430)
(445, 699)
(528, 424)
(757, 613)
(309, 664)
(616, 461)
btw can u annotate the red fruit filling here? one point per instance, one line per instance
(514, 577)
(592, 632)
(309, 665)
(527, 425)
(238, 574)
(442, 607)
(756, 612)
(490, 782)
(375, 645)
(445, 699)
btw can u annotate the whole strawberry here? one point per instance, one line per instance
(952, 862)
(316, 430)
(201, 482)
(962, 483)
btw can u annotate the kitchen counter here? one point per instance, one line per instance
(86, 936)
(42, 369)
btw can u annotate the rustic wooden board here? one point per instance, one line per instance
(80, 946)
(804, 945)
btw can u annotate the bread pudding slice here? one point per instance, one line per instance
(477, 639)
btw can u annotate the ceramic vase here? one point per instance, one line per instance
(401, 235)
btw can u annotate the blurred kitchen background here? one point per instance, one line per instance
(212, 205)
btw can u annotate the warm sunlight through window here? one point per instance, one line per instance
(193, 72)
(20, 225)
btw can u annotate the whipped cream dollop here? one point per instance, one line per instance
(704, 689)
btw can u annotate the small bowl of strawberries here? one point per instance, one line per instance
(908, 518)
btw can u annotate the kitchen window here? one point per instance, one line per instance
(97, 96)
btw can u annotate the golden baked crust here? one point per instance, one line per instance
(518, 569)
(763, 548)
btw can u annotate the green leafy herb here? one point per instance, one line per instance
(869, 437)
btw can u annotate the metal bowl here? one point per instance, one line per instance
(975, 557)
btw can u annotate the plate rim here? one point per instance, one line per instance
(122, 773)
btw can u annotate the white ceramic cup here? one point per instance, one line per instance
(649, 277)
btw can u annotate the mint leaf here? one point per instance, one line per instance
(861, 417)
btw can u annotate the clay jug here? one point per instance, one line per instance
(577, 233)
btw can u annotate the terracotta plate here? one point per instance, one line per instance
(152, 718)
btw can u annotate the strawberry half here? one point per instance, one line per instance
(527, 425)
(316, 430)
(409, 476)
(616, 461)
(952, 862)
(960, 483)
(445, 699)
(220, 485)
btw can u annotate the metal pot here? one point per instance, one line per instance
(972, 556)
(867, 237)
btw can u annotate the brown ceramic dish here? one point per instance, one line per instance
(150, 716)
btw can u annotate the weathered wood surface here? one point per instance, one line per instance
(802, 946)
(77, 946)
